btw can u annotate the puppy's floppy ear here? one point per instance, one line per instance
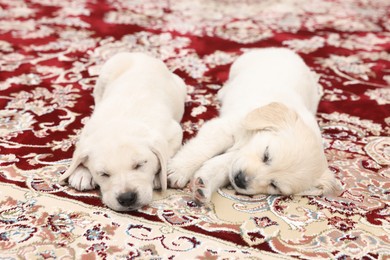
(271, 116)
(160, 148)
(326, 184)
(78, 158)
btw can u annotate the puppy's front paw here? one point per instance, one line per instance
(200, 191)
(178, 174)
(81, 179)
(176, 179)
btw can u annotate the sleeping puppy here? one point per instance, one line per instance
(266, 139)
(133, 131)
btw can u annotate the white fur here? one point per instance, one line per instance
(270, 100)
(133, 131)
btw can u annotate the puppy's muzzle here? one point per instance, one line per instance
(127, 199)
(240, 180)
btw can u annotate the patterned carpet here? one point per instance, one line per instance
(50, 55)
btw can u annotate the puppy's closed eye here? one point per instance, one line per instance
(274, 186)
(138, 165)
(104, 174)
(266, 156)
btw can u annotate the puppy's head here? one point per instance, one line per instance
(280, 155)
(125, 169)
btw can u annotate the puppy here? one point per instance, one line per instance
(133, 131)
(266, 139)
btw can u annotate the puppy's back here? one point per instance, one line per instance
(134, 82)
(271, 74)
(267, 60)
(119, 64)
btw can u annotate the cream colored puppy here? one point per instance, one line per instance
(266, 139)
(133, 131)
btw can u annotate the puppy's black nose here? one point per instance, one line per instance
(240, 181)
(127, 199)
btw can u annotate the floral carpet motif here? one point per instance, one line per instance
(50, 55)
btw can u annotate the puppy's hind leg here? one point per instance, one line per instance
(214, 138)
(110, 71)
(213, 174)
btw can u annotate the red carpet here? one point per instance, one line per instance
(50, 54)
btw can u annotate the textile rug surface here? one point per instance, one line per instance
(50, 55)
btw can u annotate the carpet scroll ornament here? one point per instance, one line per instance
(51, 53)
